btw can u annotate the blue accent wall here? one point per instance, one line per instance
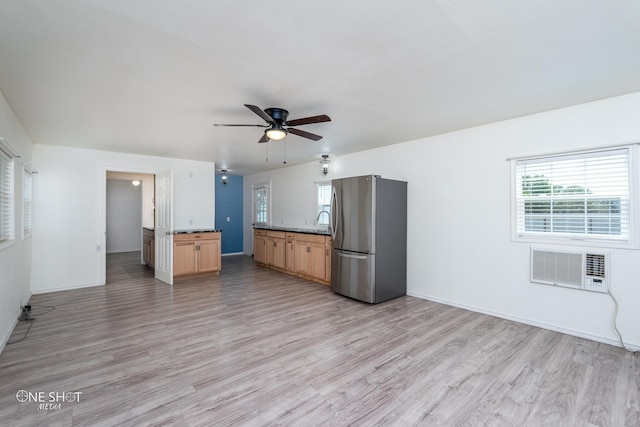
(229, 206)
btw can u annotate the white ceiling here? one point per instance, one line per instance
(152, 76)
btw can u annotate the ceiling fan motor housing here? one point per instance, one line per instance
(279, 115)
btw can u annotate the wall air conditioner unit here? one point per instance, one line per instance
(585, 270)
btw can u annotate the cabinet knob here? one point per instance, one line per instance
(308, 249)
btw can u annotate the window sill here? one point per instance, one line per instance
(568, 241)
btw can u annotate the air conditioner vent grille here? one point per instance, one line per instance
(571, 269)
(595, 265)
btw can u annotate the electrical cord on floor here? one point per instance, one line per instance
(615, 325)
(25, 317)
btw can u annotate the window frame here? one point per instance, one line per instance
(255, 189)
(7, 199)
(27, 201)
(323, 220)
(583, 239)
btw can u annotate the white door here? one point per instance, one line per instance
(164, 226)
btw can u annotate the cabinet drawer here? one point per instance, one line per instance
(257, 232)
(188, 237)
(276, 234)
(310, 238)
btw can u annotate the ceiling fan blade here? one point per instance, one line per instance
(224, 124)
(264, 138)
(304, 134)
(308, 120)
(267, 118)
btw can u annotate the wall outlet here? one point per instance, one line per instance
(98, 248)
(228, 219)
(190, 222)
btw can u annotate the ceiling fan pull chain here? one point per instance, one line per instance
(266, 146)
(285, 151)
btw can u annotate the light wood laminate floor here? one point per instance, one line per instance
(255, 347)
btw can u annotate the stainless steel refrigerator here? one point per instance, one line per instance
(369, 238)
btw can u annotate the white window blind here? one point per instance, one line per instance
(27, 202)
(6, 197)
(261, 203)
(574, 196)
(324, 202)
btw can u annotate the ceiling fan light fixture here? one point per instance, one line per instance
(275, 134)
(325, 164)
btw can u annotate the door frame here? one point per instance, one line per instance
(103, 211)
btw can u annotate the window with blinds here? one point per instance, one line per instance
(6, 197)
(580, 196)
(261, 202)
(27, 202)
(324, 203)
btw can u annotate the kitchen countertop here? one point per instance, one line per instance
(293, 229)
(195, 231)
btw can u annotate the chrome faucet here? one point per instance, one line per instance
(318, 217)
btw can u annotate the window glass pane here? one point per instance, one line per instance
(27, 197)
(324, 203)
(582, 195)
(6, 197)
(261, 204)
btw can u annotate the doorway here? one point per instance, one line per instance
(129, 209)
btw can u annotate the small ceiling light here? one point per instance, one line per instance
(135, 182)
(276, 133)
(224, 176)
(325, 164)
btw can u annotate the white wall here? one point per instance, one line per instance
(124, 216)
(15, 258)
(459, 247)
(148, 193)
(69, 209)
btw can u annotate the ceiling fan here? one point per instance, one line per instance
(278, 126)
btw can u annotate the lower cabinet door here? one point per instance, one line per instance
(260, 249)
(184, 258)
(317, 260)
(208, 252)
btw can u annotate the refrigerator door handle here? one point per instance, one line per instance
(344, 255)
(334, 214)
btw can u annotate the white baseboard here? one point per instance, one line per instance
(5, 339)
(233, 253)
(526, 321)
(119, 251)
(65, 288)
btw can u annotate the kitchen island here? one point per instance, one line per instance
(196, 252)
(301, 252)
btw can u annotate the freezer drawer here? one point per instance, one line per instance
(353, 275)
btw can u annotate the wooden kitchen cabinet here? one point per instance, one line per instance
(327, 251)
(306, 255)
(311, 256)
(290, 252)
(148, 247)
(195, 253)
(276, 250)
(260, 246)
(184, 257)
